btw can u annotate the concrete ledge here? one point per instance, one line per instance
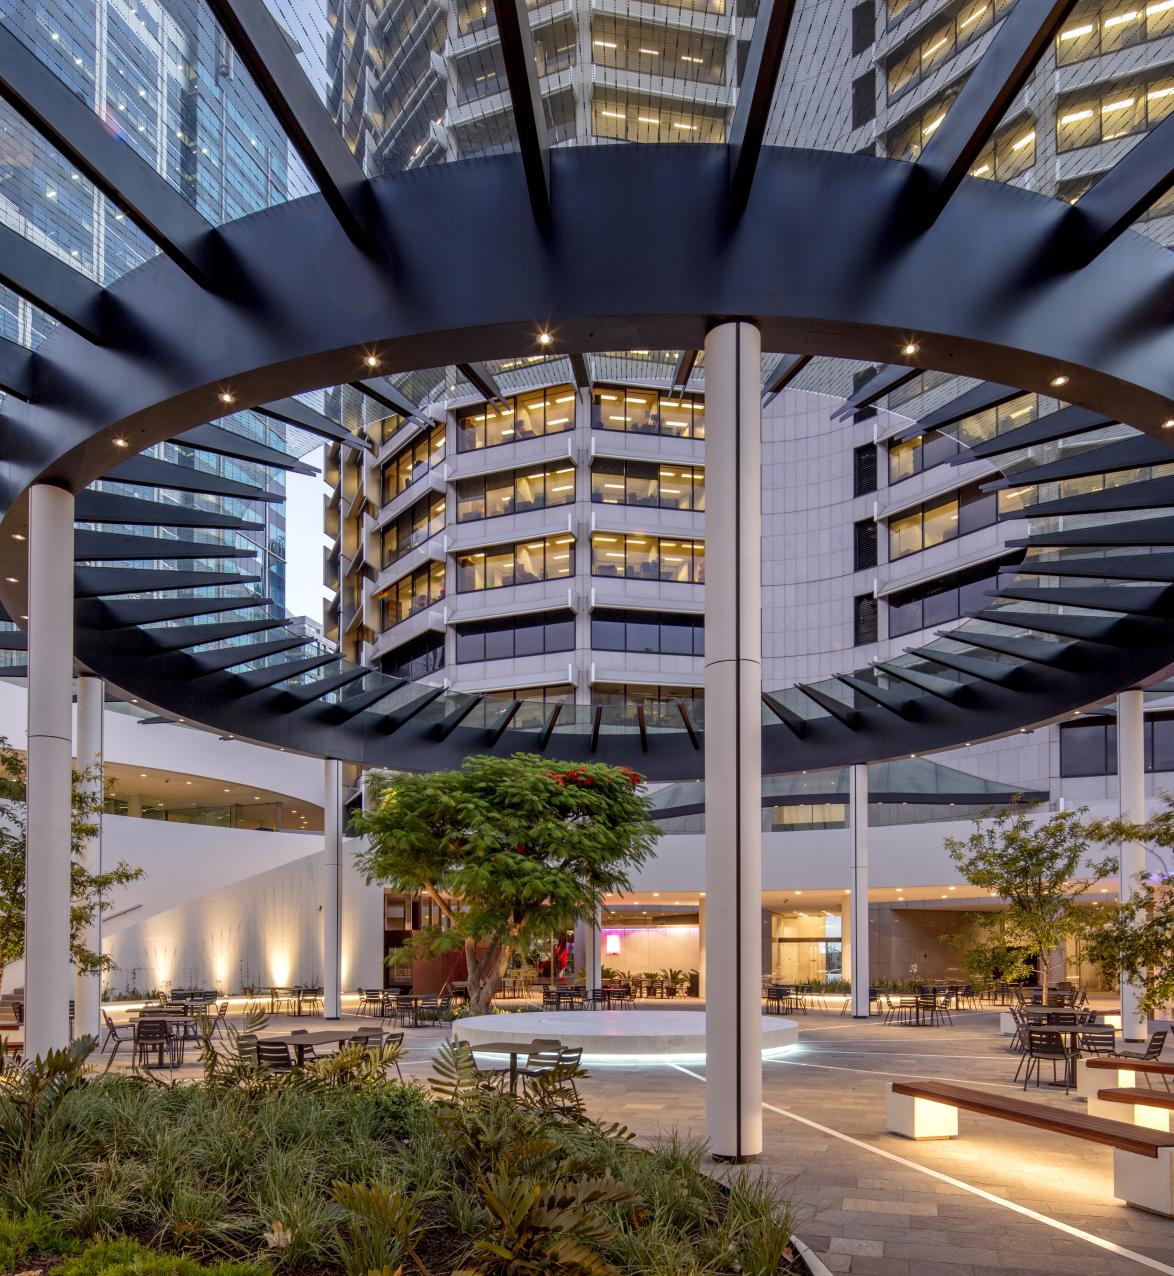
(617, 1035)
(914, 1118)
(1145, 1182)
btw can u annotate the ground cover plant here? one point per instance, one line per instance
(342, 1169)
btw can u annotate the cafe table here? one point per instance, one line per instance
(299, 1041)
(511, 1048)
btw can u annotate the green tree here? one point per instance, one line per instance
(1136, 938)
(509, 850)
(90, 891)
(1040, 869)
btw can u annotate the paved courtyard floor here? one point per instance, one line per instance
(1002, 1198)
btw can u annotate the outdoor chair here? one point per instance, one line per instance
(395, 1039)
(942, 1009)
(898, 1011)
(1046, 1046)
(312, 1001)
(1098, 1041)
(114, 1035)
(154, 1035)
(371, 1001)
(246, 1046)
(541, 1063)
(307, 1051)
(274, 1056)
(220, 1019)
(566, 1068)
(1152, 1051)
(550, 999)
(428, 1010)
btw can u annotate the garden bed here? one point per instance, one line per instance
(123, 1176)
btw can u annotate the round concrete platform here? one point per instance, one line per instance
(616, 1036)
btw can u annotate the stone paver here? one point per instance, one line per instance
(863, 1212)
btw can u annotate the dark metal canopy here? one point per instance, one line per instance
(828, 253)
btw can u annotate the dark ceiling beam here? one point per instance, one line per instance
(1135, 183)
(581, 371)
(786, 372)
(1143, 567)
(1067, 423)
(978, 398)
(884, 380)
(764, 65)
(92, 546)
(265, 50)
(521, 73)
(150, 471)
(295, 412)
(99, 582)
(1112, 457)
(16, 368)
(684, 370)
(129, 613)
(387, 394)
(110, 507)
(222, 442)
(1148, 494)
(48, 283)
(115, 168)
(989, 92)
(481, 379)
(178, 637)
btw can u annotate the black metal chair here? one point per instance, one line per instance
(154, 1034)
(114, 1035)
(371, 1002)
(1098, 1041)
(274, 1056)
(1152, 1051)
(1047, 1046)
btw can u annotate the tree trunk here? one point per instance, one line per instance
(484, 975)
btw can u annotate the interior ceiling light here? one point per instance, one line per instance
(119, 441)
(225, 397)
(1059, 381)
(545, 339)
(910, 347)
(10, 579)
(372, 361)
(1166, 425)
(18, 536)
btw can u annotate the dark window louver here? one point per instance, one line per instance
(864, 470)
(864, 549)
(864, 620)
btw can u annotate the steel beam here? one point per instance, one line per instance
(1136, 182)
(881, 383)
(16, 368)
(764, 65)
(295, 412)
(215, 438)
(387, 394)
(265, 49)
(581, 371)
(786, 372)
(114, 167)
(481, 379)
(990, 89)
(60, 291)
(517, 51)
(684, 369)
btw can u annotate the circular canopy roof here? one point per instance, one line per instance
(909, 266)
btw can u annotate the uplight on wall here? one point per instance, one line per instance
(612, 945)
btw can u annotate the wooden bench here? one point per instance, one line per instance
(1139, 1104)
(1143, 1159)
(1091, 1069)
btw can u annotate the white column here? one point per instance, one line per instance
(701, 930)
(331, 934)
(1131, 788)
(91, 696)
(48, 970)
(858, 830)
(733, 741)
(591, 957)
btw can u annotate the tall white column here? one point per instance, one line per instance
(48, 970)
(701, 936)
(858, 830)
(591, 957)
(733, 741)
(91, 696)
(1131, 788)
(331, 894)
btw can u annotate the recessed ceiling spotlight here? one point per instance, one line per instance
(371, 360)
(18, 536)
(1057, 382)
(119, 441)
(226, 397)
(1168, 425)
(910, 347)
(10, 579)
(545, 339)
